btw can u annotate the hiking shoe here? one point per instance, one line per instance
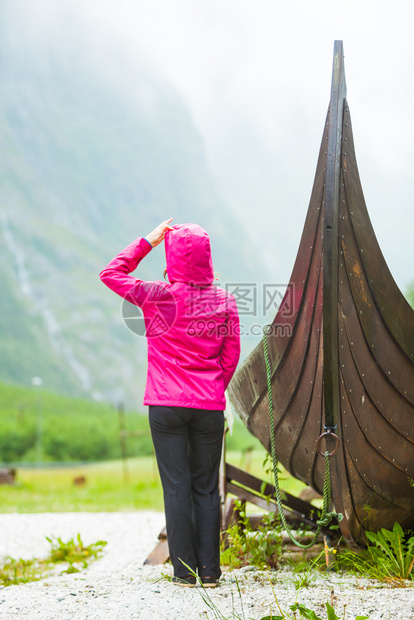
(210, 582)
(184, 582)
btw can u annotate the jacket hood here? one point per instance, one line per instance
(188, 254)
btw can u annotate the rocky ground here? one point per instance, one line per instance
(118, 586)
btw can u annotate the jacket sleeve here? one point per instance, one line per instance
(116, 273)
(230, 351)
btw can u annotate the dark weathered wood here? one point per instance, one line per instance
(346, 355)
(7, 476)
(222, 484)
(330, 240)
(161, 553)
(255, 491)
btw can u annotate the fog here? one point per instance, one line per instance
(256, 80)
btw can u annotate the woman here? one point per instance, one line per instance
(192, 330)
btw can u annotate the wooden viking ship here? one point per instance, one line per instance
(341, 351)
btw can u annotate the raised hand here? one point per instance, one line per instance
(157, 235)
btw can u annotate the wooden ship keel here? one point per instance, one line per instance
(341, 349)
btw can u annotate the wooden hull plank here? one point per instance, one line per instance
(396, 311)
(357, 294)
(378, 432)
(371, 510)
(390, 403)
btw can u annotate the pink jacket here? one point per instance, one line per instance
(192, 326)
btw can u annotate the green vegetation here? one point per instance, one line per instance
(243, 545)
(106, 488)
(305, 573)
(74, 554)
(299, 610)
(389, 557)
(15, 572)
(81, 430)
(308, 614)
(86, 170)
(37, 425)
(410, 294)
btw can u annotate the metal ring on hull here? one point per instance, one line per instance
(327, 434)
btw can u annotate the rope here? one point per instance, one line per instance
(326, 517)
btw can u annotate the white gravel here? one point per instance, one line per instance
(118, 586)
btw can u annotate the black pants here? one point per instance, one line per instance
(188, 446)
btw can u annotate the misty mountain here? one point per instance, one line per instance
(92, 155)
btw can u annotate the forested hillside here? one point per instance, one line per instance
(90, 159)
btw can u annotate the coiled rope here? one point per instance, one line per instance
(326, 517)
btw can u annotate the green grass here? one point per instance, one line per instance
(53, 490)
(107, 487)
(73, 554)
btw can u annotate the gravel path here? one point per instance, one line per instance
(118, 586)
